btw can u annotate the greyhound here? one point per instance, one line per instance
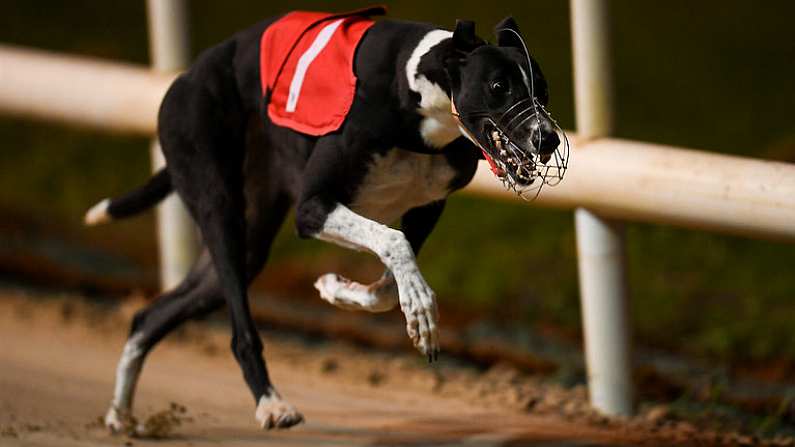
(426, 106)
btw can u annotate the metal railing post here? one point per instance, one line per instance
(170, 52)
(600, 242)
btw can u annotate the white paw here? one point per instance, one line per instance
(273, 412)
(328, 285)
(341, 292)
(418, 303)
(119, 421)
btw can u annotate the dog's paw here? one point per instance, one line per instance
(118, 421)
(350, 295)
(418, 303)
(329, 285)
(273, 412)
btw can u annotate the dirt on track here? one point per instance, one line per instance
(58, 358)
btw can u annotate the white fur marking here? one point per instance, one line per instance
(320, 42)
(98, 213)
(438, 128)
(432, 98)
(127, 372)
(118, 421)
(348, 229)
(429, 41)
(273, 412)
(401, 180)
(119, 415)
(380, 296)
(417, 300)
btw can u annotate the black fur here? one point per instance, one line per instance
(155, 190)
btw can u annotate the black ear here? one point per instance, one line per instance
(464, 41)
(464, 37)
(508, 34)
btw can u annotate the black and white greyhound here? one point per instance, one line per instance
(421, 119)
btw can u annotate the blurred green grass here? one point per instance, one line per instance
(713, 75)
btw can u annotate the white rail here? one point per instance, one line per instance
(77, 90)
(631, 180)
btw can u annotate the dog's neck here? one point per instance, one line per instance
(427, 78)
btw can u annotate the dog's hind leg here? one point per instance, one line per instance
(196, 296)
(203, 135)
(219, 212)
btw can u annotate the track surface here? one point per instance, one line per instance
(56, 375)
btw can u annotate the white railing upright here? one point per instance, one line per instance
(170, 52)
(600, 242)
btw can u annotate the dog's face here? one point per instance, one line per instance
(500, 96)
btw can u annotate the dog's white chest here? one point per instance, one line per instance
(401, 180)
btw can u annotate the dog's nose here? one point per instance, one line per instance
(545, 141)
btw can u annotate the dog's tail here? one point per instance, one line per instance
(146, 196)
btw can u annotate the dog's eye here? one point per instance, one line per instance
(499, 87)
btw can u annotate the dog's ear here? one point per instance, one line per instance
(464, 41)
(508, 34)
(464, 38)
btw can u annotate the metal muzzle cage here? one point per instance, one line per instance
(514, 154)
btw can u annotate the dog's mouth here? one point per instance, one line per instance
(522, 167)
(517, 161)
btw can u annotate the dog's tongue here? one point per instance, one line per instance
(499, 172)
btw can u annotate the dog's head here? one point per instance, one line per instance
(500, 98)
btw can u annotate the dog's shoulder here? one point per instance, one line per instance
(387, 50)
(392, 41)
(402, 83)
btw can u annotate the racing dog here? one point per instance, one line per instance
(424, 106)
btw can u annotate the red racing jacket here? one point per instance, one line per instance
(306, 68)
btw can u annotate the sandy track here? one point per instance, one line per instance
(56, 379)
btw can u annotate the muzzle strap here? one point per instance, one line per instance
(467, 133)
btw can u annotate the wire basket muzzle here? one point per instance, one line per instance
(514, 142)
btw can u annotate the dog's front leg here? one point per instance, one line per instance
(417, 301)
(382, 295)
